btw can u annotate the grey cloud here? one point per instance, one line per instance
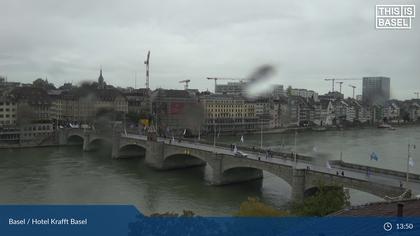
(305, 40)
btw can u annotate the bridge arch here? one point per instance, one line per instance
(132, 150)
(95, 143)
(184, 160)
(256, 170)
(75, 138)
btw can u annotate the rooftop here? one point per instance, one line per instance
(411, 207)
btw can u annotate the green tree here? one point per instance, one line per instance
(185, 213)
(40, 83)
(253, 207)
(326, 200)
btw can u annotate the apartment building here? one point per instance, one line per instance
(232, 114)
(8, 111)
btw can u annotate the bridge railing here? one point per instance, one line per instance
(284, 155)
(372, 169)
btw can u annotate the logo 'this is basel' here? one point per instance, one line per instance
(394, 16)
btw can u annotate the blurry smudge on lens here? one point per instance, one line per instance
(258, 84)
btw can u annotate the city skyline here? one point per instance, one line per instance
(305, 42)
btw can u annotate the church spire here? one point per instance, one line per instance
(101, 82)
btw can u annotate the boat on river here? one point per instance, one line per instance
(319, 129)
(386, 126)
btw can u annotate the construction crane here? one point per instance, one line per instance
(146, 62)
(341, 84)
(215, 81)
(335, 79)
(417, 93)
(186, 83)
(354, 87)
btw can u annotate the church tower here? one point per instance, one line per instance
(101, 82)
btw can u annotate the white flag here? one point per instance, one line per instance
(242, 139)
(411, 161)
(328, 165)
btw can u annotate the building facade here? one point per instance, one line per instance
(176, 111)
(376, 90)
(231, 88)
(8, 110)
(233, 114)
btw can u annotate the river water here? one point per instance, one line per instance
(67, 175)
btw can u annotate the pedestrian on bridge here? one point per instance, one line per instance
(342, 172)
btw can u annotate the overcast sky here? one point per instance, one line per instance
(306, 41)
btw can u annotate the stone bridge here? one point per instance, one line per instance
(88, 137)
(226, 168)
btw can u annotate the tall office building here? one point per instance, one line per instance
(376, 90)
(230, 88)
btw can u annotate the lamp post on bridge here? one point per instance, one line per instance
(261, 134)
(214, 135)
(409, 160)
(294, 152)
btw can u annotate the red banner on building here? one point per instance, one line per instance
(176, 108)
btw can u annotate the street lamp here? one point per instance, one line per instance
(410, 147)
(261, 134)
(214, 134)
(294, 153)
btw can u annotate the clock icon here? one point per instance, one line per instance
(387, 226)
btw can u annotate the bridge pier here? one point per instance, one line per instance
(116, 138)
(62, 138)
(155, 154)
(215, 176)
(86, 141)
(115, 153)
(298, 184)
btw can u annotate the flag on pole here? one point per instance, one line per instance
(373, 156)
(411, 161)
(328, 165)
(242, 139)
